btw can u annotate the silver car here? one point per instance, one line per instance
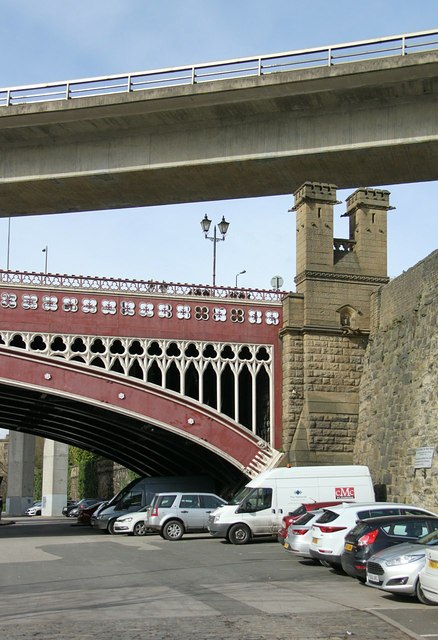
(172, 514)
(396, 568)
(299, 534)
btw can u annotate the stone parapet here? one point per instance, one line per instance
(316, 192)
(368, 198)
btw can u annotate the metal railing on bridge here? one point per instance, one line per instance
(145, 287)
(400, 45)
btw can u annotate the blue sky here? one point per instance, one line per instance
(51, 40)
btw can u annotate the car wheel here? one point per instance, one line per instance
(139, 529)
(173, 530)
(239, 534)
(420, 594)
(110, 527)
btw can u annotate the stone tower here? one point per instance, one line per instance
(326, 323)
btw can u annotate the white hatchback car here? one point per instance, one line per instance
(330, 529)
(133, 523)
(428, 592)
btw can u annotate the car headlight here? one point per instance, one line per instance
(125, 519)
(216, 518)
(409, 557)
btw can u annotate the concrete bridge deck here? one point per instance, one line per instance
(370, 122)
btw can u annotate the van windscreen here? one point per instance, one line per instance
(240, 496)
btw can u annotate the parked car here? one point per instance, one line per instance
(85, 513)
(140, 492)
(293, 516)
(397, 568)
(133, 523)
(34, 510)
(173, 514)
(428, 590)
(329, 531)
(83, 504)
(68, 507)
(374, 534)
(299, 534)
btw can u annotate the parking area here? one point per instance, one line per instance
(57, 578)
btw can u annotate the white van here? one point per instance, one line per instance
(258, 508)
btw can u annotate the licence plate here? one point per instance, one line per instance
(315, 540)
(433, 564)
(348, 547)
(286, 545)
(372, 577)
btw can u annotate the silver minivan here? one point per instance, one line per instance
(172, 514)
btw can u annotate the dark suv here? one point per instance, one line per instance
(173, 514)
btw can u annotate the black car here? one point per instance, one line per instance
(68, 507)
(373, 534)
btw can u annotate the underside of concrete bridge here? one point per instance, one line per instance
(365, 123)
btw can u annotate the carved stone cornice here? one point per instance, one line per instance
(321, 330)
(340, 277)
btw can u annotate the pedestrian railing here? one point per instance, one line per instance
(27, 280)
(400, 45)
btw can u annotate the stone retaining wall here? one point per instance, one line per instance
(398, 400)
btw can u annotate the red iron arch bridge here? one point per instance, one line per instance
(163, 378)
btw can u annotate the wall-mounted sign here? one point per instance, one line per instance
(424, 457)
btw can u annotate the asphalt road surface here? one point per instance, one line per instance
(62, 581)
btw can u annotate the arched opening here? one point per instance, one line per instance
(135, 371)
(117, 367)
(191, 382)
(173, 378)
(154, 374)
(245, 397)
(210, 388)
(227, 392)
(263, 425)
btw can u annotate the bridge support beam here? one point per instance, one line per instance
(55, 471)
(21, 455)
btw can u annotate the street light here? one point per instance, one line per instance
(223, 228)
(239, 274)
(46, 257)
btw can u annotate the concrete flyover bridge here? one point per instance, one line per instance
(166, 379)
(362, 113)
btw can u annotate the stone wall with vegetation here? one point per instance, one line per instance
(399, 392)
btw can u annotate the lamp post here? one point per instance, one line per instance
(239, 274)
(9, 244)
(46, 258)
(223, 228)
